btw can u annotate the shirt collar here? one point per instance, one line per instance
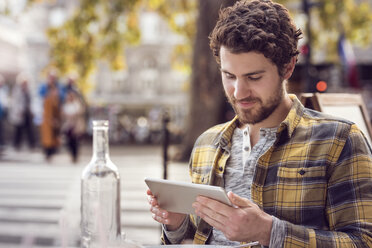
(226, 135)
(293, 118)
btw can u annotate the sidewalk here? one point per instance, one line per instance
(40, 202)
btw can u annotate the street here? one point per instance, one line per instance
(40, 202)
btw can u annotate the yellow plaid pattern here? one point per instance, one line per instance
(317, 177)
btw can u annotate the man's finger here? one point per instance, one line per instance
(213, 214)
(212, 218)
(206, 202)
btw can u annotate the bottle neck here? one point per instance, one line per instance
(100, 143)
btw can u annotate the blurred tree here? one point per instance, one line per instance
(352, 18)
(332, 18)
(208, 102)
(97, 30)
(101, 30)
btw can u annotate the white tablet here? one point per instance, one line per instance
(175, 196)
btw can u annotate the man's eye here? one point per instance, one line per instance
(229, 76)
(255, 78)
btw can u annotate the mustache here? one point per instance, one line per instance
(247, 99)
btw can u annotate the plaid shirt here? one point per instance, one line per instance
(317, 177)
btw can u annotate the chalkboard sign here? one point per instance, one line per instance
(348, 106)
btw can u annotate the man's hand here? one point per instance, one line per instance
(172, 220)
(243, 222)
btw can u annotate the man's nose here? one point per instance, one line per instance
(241, 89)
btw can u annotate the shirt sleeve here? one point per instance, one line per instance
(176, 236)
(277, 233)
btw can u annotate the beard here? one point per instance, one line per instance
(262, 110)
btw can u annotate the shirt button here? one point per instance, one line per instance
(246, 148)
(221, 169)
(245, 133)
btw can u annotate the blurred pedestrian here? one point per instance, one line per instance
(71, 86)
(73, 123)
(51, 123)
(20, 113)
(52, 81)
(4, 98)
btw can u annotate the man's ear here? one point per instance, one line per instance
(289, 68)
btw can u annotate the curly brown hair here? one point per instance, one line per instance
(259, 25)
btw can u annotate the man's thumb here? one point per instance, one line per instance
(237, 200)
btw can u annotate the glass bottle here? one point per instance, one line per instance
(100, 194)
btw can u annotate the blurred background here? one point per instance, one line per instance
(133, 61)
(146, 66)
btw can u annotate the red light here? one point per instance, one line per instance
(321, 86)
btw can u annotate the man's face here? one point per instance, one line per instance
(252, 85)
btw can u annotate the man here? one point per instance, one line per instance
(297, 178)
(21, 113)
(52, 81)
(4, 102)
